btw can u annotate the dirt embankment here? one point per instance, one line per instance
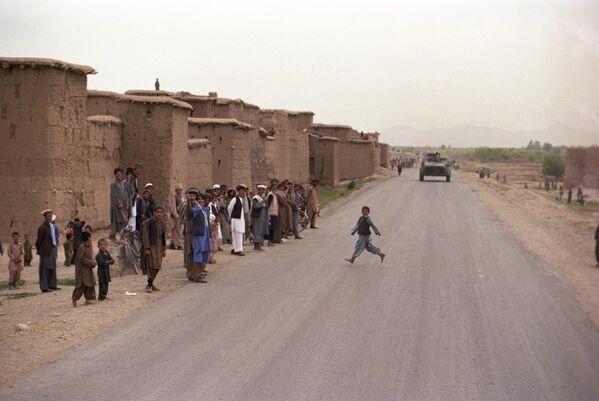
(558, 232)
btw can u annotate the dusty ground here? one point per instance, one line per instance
(560, 233)
(55, 326)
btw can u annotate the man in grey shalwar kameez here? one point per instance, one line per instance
(120, 204)
(259, 216)
(46, 244)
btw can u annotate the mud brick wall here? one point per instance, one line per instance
(199, 164)
(90, 199)
(155, 136)
(42, 128)
(582, 167)
(230, 142)
(384, 157)
(324, 159)
(357, 159)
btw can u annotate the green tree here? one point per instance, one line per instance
(553, 165)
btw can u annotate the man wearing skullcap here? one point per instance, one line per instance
(235, 210)
(85, 282)
(154, 245)
(46, 244)
(120, 204)
(175, 202)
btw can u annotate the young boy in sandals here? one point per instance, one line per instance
(364, 241)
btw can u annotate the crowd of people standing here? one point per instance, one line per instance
(200, 223)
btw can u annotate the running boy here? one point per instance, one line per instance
(362, 227)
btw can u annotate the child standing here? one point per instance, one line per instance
(28, 251)
(362, 227)
(15, 264)
(85, 282)
(104, 261)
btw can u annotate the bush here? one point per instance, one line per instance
(553, 165)
(351, 186)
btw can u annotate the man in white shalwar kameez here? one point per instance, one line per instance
(235, 210)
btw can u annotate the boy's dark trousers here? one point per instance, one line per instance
(103, 278)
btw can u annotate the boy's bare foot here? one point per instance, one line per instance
(74, 303)
(89, 302)
(350, 260)
(154, 288)
(382, 256)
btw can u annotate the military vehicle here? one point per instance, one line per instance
(434, 165)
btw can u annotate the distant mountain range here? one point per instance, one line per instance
(473, 136)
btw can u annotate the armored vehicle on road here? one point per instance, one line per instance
(434, 165)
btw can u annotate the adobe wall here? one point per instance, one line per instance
(276, 122)
(582, 167)
(342, 132)
(262, 154)
(230, 142)
(324, 159)
(154, 135)
(384, 155)
(42, 122)
(98, 158)
(357, 159)
(199, 165)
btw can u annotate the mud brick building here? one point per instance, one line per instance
(582, 168)
(62, 141)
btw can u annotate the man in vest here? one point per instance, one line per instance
(235, 210)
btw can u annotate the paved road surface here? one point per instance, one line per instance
(458, 311)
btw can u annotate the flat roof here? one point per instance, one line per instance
(331, 126)
(220, 121)
(104, 119)
(119, 97)
(148, 92)
(31, 62)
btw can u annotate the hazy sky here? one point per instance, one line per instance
(371, 64)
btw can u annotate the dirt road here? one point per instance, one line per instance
(460, 310)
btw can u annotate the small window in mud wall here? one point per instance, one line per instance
(149, 114)
(218, 162)
(220, 139)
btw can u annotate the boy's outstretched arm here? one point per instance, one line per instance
(371, 223)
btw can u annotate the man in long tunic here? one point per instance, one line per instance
(313, 208)
(282, 200)
(120, 204)
(272, 204)
(154, 245)
(224, 218)
(46, 244)
(85, 282)
(259, 215)
(235, 210)
(175, 201)
(201, 239)
(191, 197)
